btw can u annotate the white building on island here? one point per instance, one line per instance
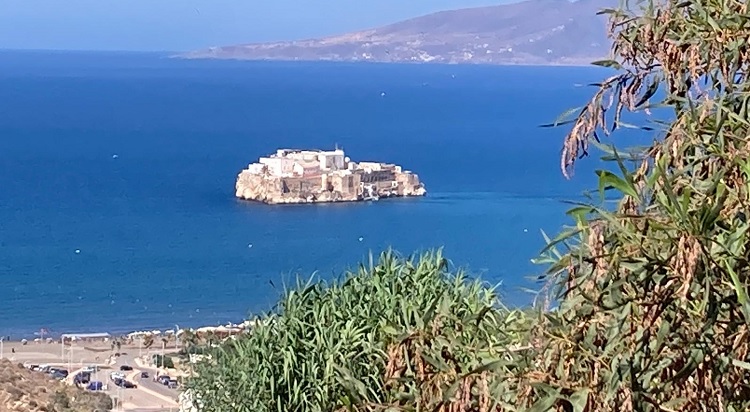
(278, 166)
(332, 160)
(290, 162)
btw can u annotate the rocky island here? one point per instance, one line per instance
(315, 176)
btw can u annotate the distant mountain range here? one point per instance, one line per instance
(539, 32)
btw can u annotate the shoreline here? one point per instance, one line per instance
(582, 63)
(116, 333)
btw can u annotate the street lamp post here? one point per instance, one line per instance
(70, 357)
(2, 339)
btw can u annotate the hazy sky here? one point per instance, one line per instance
(188, 24)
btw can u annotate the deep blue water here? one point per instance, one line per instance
(163, 241)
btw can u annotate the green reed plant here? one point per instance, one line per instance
(357, 342)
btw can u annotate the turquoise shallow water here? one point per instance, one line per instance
(162, 241)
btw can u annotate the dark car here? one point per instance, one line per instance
(172, 384)
(163, 379)
(95, 386)
(128, 385)
(144, 375)
(126, 368)
(82, 378)
(60, 374)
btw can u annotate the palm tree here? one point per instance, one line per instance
(148, 341)
(189, 340)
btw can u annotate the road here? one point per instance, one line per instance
(148, 394)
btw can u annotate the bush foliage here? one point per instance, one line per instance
(388, 334)
(652, 304)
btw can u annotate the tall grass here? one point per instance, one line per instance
(386, 336)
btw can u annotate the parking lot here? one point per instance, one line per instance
(122, 377)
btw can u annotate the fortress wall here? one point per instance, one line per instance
(302, 185)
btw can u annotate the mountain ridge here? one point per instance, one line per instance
(540, 32)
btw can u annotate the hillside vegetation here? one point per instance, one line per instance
(651, 302)
(22, 390)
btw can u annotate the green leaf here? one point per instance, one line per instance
(564, 118)
(437, 363)
(580, 399)
(608, 63)
(741, 364)
(608, 180)
(620, 123)
(390, 330)
(607, 11)
(650, 92)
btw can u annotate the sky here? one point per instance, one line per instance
(177, 25)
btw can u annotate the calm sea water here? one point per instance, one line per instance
(161, 239)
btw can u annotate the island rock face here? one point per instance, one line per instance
(314, 176)
(539, 32)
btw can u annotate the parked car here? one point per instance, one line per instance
(163, 379)
(116, 375)
(59, 373)
(123, 383)
(126, 368)
(172, 384)
(82, 378)
(95, 386)
(144, 375)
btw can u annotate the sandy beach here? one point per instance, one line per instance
(79, 353)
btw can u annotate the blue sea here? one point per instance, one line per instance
(117, 176)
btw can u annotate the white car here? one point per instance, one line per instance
(116, 375)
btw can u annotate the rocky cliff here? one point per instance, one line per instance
(322, 189)
(529, 32)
